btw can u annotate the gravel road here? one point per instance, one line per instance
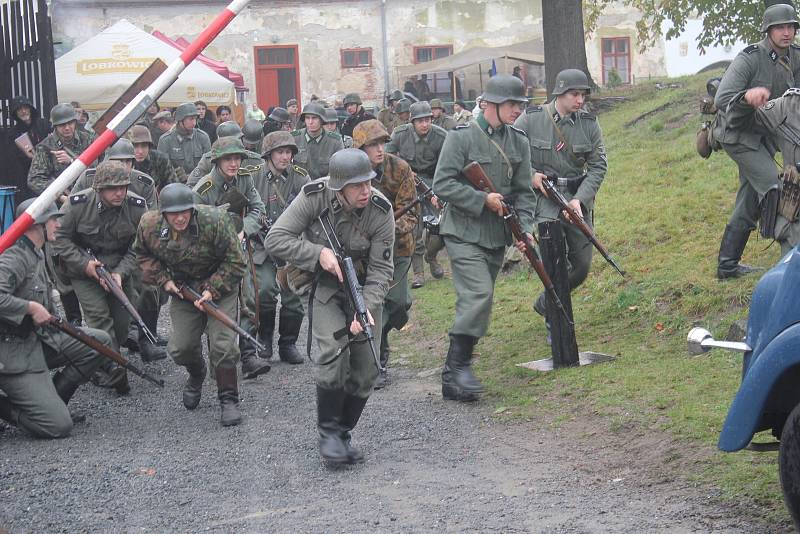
(144, 463)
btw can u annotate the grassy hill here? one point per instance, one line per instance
(661, 213)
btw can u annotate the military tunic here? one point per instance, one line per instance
(389, 119)
(757, 65)
(109, 232)
(476, 237)
(213, 186)
(368, 236)
(252, 165)
(44, 167)
(27, 351)
(582, 161)
(184, 151)
(445, 121)
(157, 166)
(207, 256)
(353, 120)
(314, 153)
(141, 185)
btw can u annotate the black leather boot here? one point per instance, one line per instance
(458, 381)
(266, 329)
(730, 252)
(330, 404)
(383, 376)
(252, 366)
(288, 330)
(66, 389)
(150, 352)
(193, 388)
(228, 394)
(351, 413)
(150, 318)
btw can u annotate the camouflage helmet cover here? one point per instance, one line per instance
(278, 139)
(111, 174)
(570, 79)
(420, 110)
(779, 14)
(253, 132)
(351, 98)
(140, 134)
(503, 88)
(185, 110)
(227, 146)
(62, 114)
(437, 103)
(121, 150)
(176, 197)
(51, 211)
(229, 129)
(369, 132)
(349, 166)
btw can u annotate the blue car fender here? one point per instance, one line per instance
(782, 353)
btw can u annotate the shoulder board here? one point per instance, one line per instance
(586, 115)
(533, 109)
(334, 135)
(203, 187)
(78, 199)
(313, 187)
(750, 49)
(136, 200)
(254, 155)
(792, 91)
(462, 126)
(514, 128)
(300, 170)
(381, 202)
(297, 133)
(146, 180)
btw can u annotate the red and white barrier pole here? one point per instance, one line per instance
(120, 124)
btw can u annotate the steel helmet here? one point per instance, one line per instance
(51, 211)
(420, 110)
(351, 98)
(253, 132)
(349, 166)
(121, 150)
(279, 115)
(313, 109)
(62, 114)
(176, 197)
(140, 134)
(569, 79)
(503, 88)
(369, 132)
(229, 129)
(111, 174)
(227, 146)
(403, 106)
(186, 110)
(779, 14)
(437, 103)
(278, 139)
(330, 116)
(397, 94)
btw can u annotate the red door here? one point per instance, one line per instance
(277, 78)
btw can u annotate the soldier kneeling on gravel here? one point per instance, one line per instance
(28, 350)
(345, 372)
(196, 245)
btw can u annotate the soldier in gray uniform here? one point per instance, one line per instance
(331, 124)
(387, 115)
(148, 160)
(226, 185)
(28, 349)
(103, 220)
(140, 183)
(363, 220)
(473, 228)
(251, 165)
(185, 144)
(315, 146)
(252, 135)
(282, 183)
(566, 142)
(761, 71)
(420, 144)
(440, 118)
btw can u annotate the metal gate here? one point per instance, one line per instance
(27, 65)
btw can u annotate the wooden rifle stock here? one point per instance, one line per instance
(478, 178)
(211, 308)
(579, 222)
(102, 349)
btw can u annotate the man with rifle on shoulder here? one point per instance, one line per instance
(196, 245)
(342, 208)
(28, 348)
(474, 230)
(566, 144)
(96, 234)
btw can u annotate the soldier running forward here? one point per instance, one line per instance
(395, 179)
(364, 223)
(280, 186)
(420, 144)
(225, 184)
(185, 144)
(315, 146)
(193, 244)
(28, 349)
(761, 71)
(98, 229)
(473, 228)
(566, 143)
(58, 150)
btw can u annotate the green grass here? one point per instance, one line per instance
(661, 213)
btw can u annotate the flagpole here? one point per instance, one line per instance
(120, 124)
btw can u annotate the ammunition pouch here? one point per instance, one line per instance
(789, 203)
(294, 278)
(20, 331)
(570, 185)
(431, 224)
(769, 213)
